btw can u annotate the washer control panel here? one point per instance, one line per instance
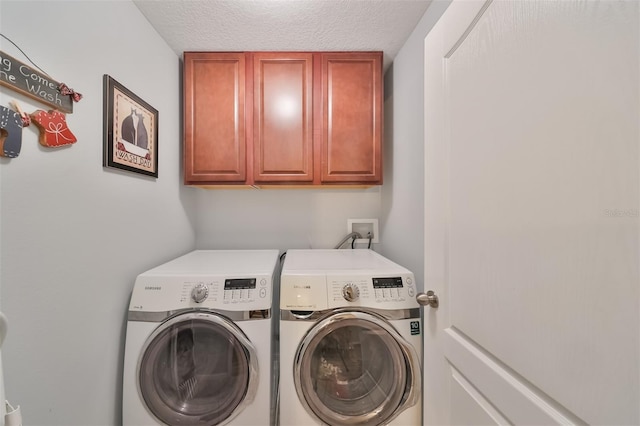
(386, 292)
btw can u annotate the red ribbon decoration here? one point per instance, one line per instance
(65, 90)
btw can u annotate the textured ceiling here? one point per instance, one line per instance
(251, 25)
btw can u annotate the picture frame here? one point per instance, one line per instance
(130, 130)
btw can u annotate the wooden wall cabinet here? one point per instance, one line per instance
(282, 118)
(351, 118)
(214, 118)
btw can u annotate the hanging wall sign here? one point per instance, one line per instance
(33, 83)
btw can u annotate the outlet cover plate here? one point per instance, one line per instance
(360, 225)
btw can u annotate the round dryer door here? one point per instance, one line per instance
(197, 369)
(354, 368)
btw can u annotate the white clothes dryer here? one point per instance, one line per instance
(198, 342)
(350, 343)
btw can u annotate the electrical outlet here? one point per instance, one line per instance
(364, 227)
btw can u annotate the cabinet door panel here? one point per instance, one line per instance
(215, 145)
(283, 119)
(352, 117)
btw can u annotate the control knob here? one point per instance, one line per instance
(200, 292)
(350, 292)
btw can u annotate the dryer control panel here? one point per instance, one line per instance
(244, 290)
(230, 293)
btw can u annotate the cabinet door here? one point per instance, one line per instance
(214, 117)
(352, 117)
(282, 117)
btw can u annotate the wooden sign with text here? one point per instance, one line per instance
(26, 80)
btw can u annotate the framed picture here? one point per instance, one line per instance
(130, 131)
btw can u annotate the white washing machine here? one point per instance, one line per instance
(350, 343)
(198, 343)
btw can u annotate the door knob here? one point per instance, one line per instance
(428, 298)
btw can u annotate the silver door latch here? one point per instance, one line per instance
(429, 298)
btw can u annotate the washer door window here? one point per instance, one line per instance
(354, 368)
(197, 369)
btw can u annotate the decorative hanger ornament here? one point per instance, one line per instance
(10, 133)
(37, 84)
(32, 81)
(54, 131)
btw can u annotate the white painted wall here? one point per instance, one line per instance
(281, 218)
(74, 235)
(402, 198)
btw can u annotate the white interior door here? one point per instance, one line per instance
(532, 213)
